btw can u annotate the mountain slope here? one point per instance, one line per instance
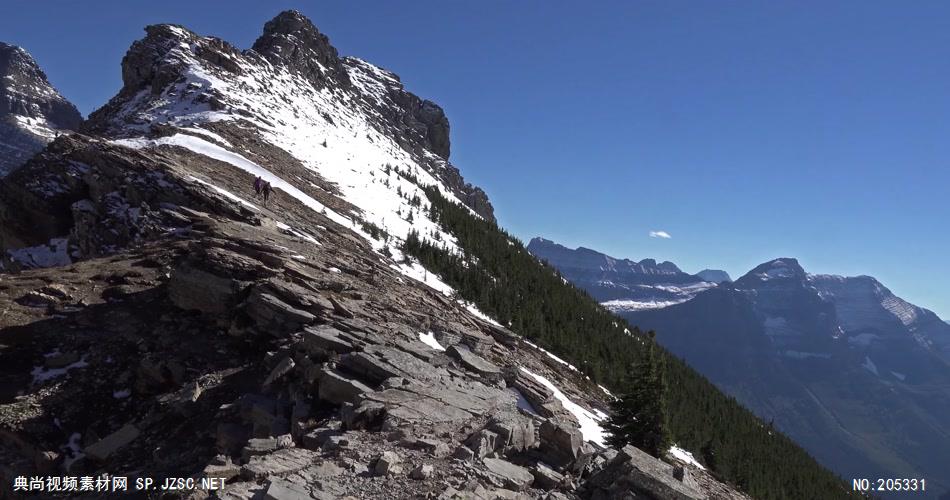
(32, 112)
(506, 281)
(853, 373)
(621, 284)
(186, 327)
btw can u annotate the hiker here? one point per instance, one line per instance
(258, 184)
(266, 189)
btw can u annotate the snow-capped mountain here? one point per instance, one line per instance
(338, 134)
(32, 112)
(858, 376)
(623, 284)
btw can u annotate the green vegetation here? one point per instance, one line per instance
(639, 416)
(497, 274)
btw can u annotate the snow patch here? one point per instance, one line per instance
(589, 421)
(685, 456)
(548, 354)
(478, 313)
(41, 374)
(415, 271)
(429, 340)
(869, 365)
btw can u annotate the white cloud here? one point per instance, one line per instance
(660, 234)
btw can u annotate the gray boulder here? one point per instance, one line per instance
(634, 470)
(516, 433)
(387, 464)
(561, 444)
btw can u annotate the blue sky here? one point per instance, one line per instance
(745, 130)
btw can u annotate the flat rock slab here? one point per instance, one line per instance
(278, 489)
(280, 463)
(378, 363)
(102, 449)
(472, 361)
(338, 388)
(441, 402)
(326, 339)
(512, 476)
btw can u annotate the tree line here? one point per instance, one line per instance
(494, 271)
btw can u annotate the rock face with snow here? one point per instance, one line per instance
(284, 345)
(855, 374)
(621, 284)
(32, 112)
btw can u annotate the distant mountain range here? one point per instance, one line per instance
(622, 284)
(855, 374)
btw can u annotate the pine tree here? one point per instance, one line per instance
(640, 417)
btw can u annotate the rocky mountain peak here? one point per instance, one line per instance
(32, 112)
(714, 275)
(782, 270)
(291, 39)
(25, 91)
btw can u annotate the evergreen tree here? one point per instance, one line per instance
(640, 416)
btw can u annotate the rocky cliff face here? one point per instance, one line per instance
(32, 112)
(164, 320)
(620, 284)
(856, 375)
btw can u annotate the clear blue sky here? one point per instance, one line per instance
(746, 130)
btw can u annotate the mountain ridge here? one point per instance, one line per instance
(32, 112)
(620, 284)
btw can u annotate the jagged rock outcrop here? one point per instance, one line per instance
(291, 39)
(32, 112)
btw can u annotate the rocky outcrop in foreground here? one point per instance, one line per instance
(234, 351)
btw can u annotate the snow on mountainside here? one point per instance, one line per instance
(348, 122)
(621, 284)
(32, 112)
(871, 314)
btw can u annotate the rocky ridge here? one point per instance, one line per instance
(32, 112)
(164, 322)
